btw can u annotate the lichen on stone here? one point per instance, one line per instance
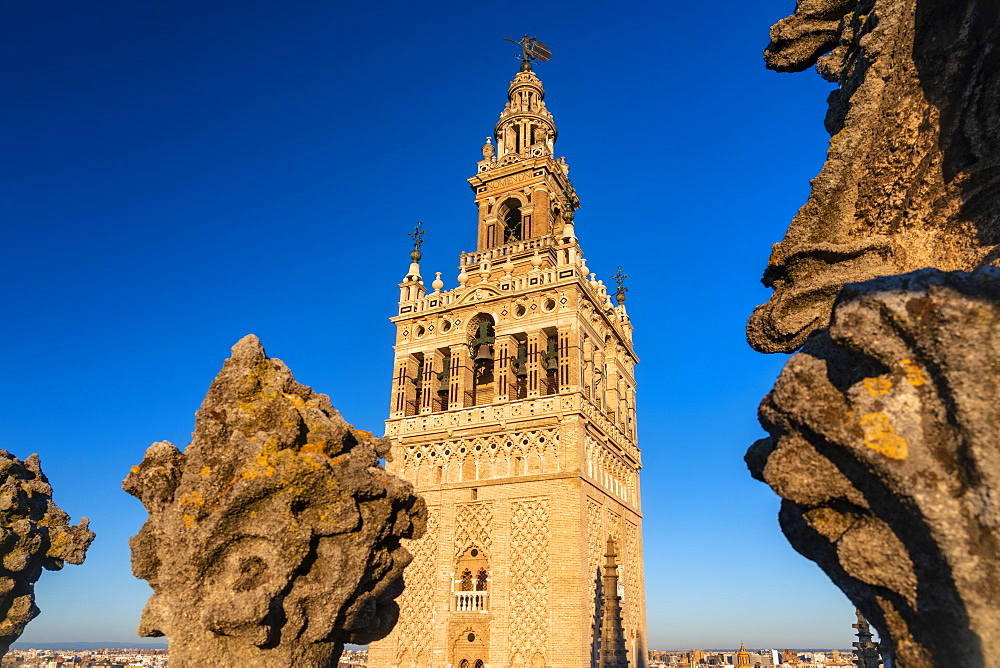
(275, 537)
(34, 534)
(911, 174)
(885, 447)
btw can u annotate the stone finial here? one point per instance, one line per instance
(488, 149)
(536, 262)
(437, 283)
(909, 180)
(884, 441)
(275, 537)
(36, 534)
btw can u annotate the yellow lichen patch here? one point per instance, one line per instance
(318, 446)
(135, 469)
(829, 522)
(362, 433)
(225, 490)
(58, 541)
(877, 386)
(881, 436)
(192, 499)
(205, 471)
(296, 400)
(189, 521)
(914, 374)
(259, 468)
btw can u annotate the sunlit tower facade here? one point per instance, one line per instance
(513, 414)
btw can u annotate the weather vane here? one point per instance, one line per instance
(418, 238)
(531, 49)
(619, 278)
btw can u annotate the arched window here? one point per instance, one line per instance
(479, 664)
(464, 664)
(482, 338)
(472, 581)
(509, 216)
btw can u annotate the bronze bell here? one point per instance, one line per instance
(551, 364)
(484, 356)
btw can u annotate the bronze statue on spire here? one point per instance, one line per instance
(531, 49)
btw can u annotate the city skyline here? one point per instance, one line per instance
(183, 176)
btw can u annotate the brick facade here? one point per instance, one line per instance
(513, 413)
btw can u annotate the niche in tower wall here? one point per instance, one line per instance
(470, 643)
(509, 215)
(413, 384)
(482, 338)
(549, 381)
(443, 380)
(519, 368)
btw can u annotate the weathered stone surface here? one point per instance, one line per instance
(912, 173)
(34, 534)
(885, 446)
(275, 537)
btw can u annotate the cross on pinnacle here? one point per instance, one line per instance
(418, 238)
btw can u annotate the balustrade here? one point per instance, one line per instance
(472, 601)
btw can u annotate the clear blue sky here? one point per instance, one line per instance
(179, 174)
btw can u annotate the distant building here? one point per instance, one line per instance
(790, 657)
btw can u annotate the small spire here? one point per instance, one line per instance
(613, 653)
(868, 651)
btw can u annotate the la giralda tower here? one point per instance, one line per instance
(513, 414)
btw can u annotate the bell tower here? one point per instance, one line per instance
(513, 413)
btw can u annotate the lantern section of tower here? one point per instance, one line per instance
(512, 411)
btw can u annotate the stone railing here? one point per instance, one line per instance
(472, 601)
(473, 259)
(436, 300)
(463, 417)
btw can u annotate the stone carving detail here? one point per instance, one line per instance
(500, 455)
(595, 543)
(36, 534)
(275, 537)
(554, 405)
(613, 527)
(885, 446)
(630, 548)
(416, 605)
(911, 176)
(473, 525)
(609, 470)
(529, 578)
